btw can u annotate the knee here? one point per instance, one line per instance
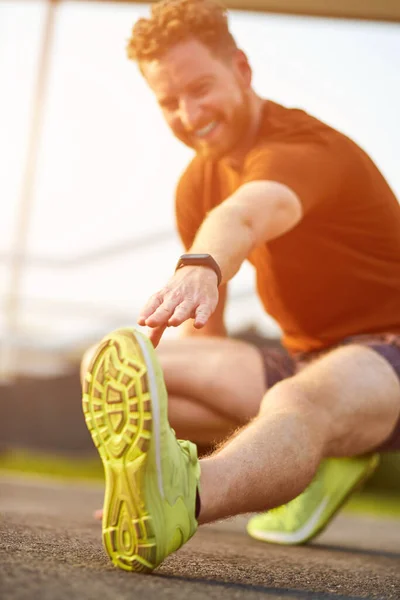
(86, 360)
(286, 396)
(294, 401)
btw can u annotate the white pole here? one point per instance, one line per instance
(9, 348)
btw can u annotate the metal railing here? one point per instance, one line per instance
(94, 256)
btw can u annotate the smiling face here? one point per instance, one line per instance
(204, 99)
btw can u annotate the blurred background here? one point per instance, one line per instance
(88, 171)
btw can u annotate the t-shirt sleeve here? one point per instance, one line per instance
(189, 205)
(313, 170)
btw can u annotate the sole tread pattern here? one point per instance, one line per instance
(117, 408)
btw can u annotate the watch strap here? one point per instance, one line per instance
(200, 260)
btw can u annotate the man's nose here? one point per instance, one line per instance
(190, 114)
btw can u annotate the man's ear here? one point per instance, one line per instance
(243, 68)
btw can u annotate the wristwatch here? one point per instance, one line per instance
(200, 260)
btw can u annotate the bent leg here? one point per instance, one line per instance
(222, 374)
(346, 403)
(215, 385)
(196, 422)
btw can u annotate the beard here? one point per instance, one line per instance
(234, 130)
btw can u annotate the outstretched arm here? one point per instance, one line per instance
(256, 213)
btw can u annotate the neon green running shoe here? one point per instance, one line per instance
(307, 515)
(151, 479)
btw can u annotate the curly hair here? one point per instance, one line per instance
(173, 21)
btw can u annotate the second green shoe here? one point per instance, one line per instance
(300, 520)
(151, 479)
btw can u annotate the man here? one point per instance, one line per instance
(321, 226)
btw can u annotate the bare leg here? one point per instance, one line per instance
(199, 423)
(345, 404)
(223, 374)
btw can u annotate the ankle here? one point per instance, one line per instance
(198, 505)
(213, 500)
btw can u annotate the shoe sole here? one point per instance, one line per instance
(119, 392)
(292, 540)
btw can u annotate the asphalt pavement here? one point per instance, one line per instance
(50, 549)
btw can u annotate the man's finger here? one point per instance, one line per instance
(155, 334)
(164, 312)
(150, 308)
(203, 313)
(182, 313)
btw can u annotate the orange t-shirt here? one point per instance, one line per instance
(337, 273)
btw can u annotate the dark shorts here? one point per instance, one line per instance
(280, 365)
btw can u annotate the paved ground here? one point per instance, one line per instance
(50, 549)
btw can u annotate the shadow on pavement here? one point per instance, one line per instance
(268, 591)
(354, 550)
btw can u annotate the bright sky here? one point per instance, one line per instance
(107, 165)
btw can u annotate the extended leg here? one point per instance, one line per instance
(345, 404)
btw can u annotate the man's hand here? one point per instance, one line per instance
(192, 293)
